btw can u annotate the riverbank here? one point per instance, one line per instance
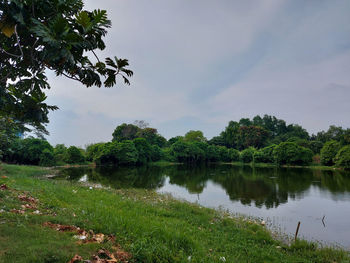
(272, 165)
(143, 225)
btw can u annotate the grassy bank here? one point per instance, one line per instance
(272, 165)
(148, 226)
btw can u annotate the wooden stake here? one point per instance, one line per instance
(296, 232)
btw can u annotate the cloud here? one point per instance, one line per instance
(203, 63)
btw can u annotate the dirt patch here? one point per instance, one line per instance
(28, 199)
(104, 256)
(4, 187)
(84, 237)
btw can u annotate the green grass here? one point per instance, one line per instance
(152, 227)
(272, 165)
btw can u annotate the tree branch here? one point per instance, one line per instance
(93, 52)
(70, 77)
(19, 44)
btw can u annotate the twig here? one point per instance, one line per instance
(323, 221)
(10, 54)
(19, 44)
(64, 74)
(93, 52)
(296, 232)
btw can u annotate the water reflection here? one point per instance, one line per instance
(267, 187)
(295, 194)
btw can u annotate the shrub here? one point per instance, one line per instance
(47, 158)
(234, 155)
(329, 151)
(224, 154)
(74, 155)
(342, 158)
(291, 153)
(187, 152)
(106, 153)
(213, 154)
(156, 153)
(265, 155)
(27, 151)
(167, 155)
(126, 153)
(92, 151)
(246, 155)
(144, 149)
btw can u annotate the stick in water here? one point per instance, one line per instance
(296, 232)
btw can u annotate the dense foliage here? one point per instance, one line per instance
(58, 35)
(342, 158)
(265, 155)
(247, 155)
(273, 142)
(329, 151)
(291, 153)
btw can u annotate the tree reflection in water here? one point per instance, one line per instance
(267, 187)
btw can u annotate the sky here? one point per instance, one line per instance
(199, 64)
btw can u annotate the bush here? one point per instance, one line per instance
(144, 149)
(342, 158)
(265, 155)
(106, 153)
(156, 153)
(291, 153)
(329, 151)
(234, 155)
(92, 151)
(213, 154)
(246, 155)
(167, 155)
(224, 154)
(126, 153)
(74, 155)
(27, 151)
(47, 158)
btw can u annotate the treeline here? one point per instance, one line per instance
(261, 140)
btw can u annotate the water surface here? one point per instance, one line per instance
(280, 196)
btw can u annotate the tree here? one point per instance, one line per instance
(230, 134)
(151, 135)
(57, 35)
(251, 136)
(74, 155)
(144, 150)
(47, 158)
(329, 151)
(247, 155)
(27, 151)
(265, 155)
(194, 136)
(125, 132)
(126, 153)
(9, 131)
(342, 158)
(291, 153)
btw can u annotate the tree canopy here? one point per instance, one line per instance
(48, 34)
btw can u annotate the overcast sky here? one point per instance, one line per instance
(199, 64)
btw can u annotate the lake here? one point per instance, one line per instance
(320, 200)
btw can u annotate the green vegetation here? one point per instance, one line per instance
(151, 227)
(58, 35)
(342, 158)
(329, 151)
(291, 153)
(266, 140)
(247, 155)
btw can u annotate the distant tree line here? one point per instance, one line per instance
(261, 140)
